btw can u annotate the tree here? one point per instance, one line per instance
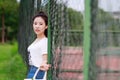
(75, 19)
(7, 7)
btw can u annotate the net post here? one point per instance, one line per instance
(86, 42)
(49, 73)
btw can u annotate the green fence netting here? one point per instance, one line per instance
(105, 41)
(66, 25)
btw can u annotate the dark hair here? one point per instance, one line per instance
(43, 16)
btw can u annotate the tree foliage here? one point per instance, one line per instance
(75, 19)
(9, 11)
(107, 21)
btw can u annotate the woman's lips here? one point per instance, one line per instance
(37, 30)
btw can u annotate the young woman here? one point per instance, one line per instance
(38, 49)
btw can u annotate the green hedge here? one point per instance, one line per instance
(12, 66)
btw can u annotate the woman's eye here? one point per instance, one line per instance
(40, 24)
(35, 23)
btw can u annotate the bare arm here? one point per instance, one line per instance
(44, 65)
(45, 58)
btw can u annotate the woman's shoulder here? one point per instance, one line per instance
(45, 40)
(41, 40)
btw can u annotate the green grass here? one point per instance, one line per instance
(12, 66)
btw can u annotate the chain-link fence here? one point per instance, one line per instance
(105, 41)
(66, 41)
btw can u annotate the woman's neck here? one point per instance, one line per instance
(40, 36)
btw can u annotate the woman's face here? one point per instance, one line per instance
(39, 26)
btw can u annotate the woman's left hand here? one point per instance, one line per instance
(45, 67)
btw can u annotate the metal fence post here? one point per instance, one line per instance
(86, 42)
